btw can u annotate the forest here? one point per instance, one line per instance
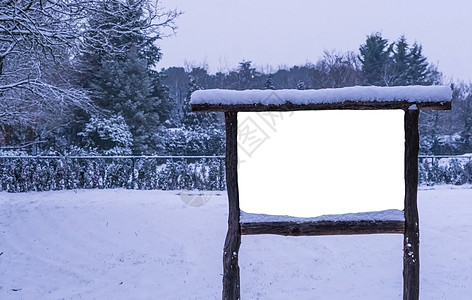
(83, 78)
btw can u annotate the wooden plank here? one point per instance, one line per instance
(347, 105)
(231, 274)
(323, 228)
(356, 97)
(411, 259)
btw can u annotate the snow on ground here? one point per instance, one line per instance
(122, 244)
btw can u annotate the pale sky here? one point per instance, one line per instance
(222, 33)
(274, 33)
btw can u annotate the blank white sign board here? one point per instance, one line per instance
(311, 163)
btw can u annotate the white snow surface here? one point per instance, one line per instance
(413, 94)
(124, 244)
(384, 215)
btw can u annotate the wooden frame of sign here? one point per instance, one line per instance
(409, 99)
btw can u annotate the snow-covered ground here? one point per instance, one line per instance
(123, 244)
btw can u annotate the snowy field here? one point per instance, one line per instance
(122, 244)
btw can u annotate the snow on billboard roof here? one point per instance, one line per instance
(357, 97)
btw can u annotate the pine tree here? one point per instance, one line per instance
(204, 132)
(117, 26)
(375, 59)
(269, 85)
(395, 64)
(190, 118)
(127, 89)
(409, 65)
(116, 68)
(194, 120)
(401, 63)
(418, 72)
(300, 85)
(247, 75)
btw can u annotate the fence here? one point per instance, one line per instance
(445, 169)
(42, 173)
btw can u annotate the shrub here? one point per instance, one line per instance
(22, 174)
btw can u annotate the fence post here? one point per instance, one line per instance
(133, 163)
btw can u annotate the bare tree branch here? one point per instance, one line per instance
(35, 36)
(39, 41)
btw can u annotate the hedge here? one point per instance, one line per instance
(32, 173)
(22, 174)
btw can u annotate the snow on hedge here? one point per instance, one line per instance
(413, 94)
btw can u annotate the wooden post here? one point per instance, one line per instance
(411, 243)
(231, 277)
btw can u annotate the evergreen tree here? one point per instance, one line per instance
(302, 74)
(176, 79)
(195, 120)
(401, 63)
(269, 85)
(410, 66)
(375, 59)
(127, 88)
(419, 72)
(109, 136)
(191, 118)
(300, 85)
(395, 64)
(247, 75)
(117, 26)
(116, 67)
(204, 132)
(461, 116)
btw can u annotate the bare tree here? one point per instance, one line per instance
(115, 31)
(338, 70)
(35, 42)
(39, 40)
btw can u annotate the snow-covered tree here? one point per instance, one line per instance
(114, 27)
(36, 38)
(195, 120)
(300, 85)
(269, 84)
(108, 136)
(117, 63)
